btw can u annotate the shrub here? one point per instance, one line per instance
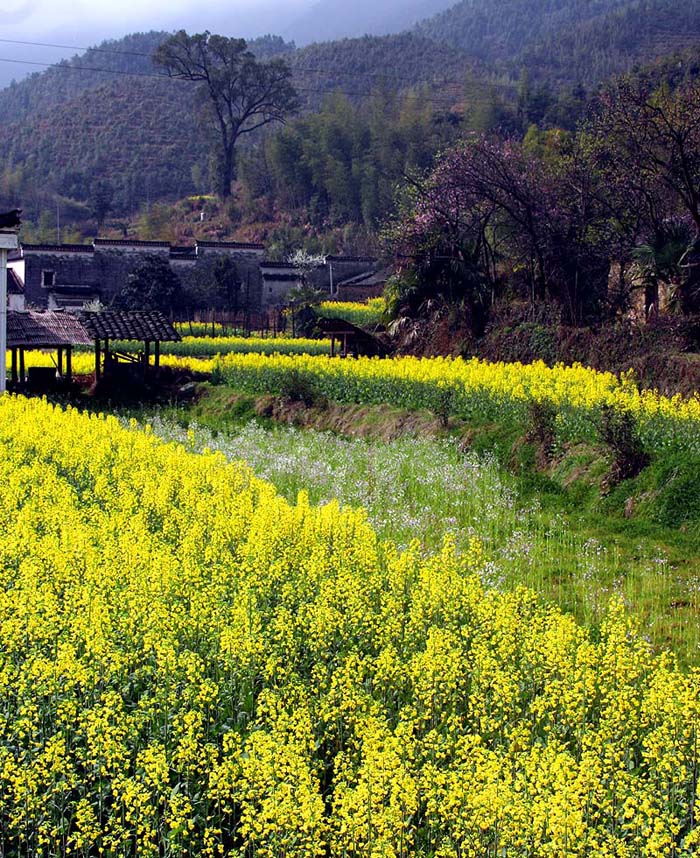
(619, 433)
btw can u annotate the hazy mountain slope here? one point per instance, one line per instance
(567, 40)
(642, 32)
(43, 90)
(107, 114)
(500, 29)
(358, 66)
(336, 19)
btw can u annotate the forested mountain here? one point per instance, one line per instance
(336, 19)
(107, 123)
(358, 67)
(599, 47)
(109, 115)
(567, 40)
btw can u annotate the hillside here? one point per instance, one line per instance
(356, 67)
(108, 115)
(640, 33)
(333, 19)
(62, 129)
(566, 41)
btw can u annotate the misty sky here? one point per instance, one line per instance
(73, 22)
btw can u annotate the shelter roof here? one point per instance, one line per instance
(338, 326)
(368, 344)
(368, 278)
(33, 329)
(146, 325)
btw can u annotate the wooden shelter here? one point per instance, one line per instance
(148, 326)
(32, 330)
(350, 340)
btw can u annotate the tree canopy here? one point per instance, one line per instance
(237, 93)
(152, 285)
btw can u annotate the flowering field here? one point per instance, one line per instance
(210, 346)
(84, 362)
(364, 315)
(477, 390)
(425, 489)
(367, 314)
(193, 665)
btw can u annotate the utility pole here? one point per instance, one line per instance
(8, 241)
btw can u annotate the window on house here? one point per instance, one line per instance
(48, 278)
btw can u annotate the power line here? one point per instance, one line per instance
(73, 48)
(295, 68)
(435, 99)
(66, 67)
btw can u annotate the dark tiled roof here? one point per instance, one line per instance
(231, 245)
(281, 278)
(287, 266)
(371, 260)
(44, 330)
(57, 248)
(125, 242)
(147, 325)
(14, 284)
(74, 289)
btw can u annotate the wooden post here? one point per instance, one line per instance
(14, 366)
(98, 370)
(8, 241)
(147, 352)
(21, 366)
(59, 362)
(157, 353)
(69, 364)
(333, 345)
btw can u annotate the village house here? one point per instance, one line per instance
(69, 276)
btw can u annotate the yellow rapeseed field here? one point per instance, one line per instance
(366, 314)
(189, 665)
(477, 389)
(209, 346)
(83, 363)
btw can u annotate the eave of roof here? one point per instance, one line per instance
(147, 325)
(48, 329)
(231, 245)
